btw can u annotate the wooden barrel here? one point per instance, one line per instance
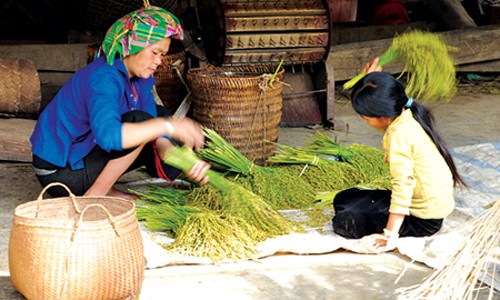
(20, 92)
(169, 86)
(240, 105)
(261, 32)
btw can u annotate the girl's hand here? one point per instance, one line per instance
(372, 66)
(198, 171)
(375, 241)
(378, 243)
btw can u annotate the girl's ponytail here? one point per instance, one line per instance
(425, 118)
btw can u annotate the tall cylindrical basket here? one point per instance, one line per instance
(76, 248)
(242, 104)
(169, 84)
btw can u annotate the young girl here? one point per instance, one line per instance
(422, 169)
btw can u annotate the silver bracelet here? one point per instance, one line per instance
(390, 234)
(170, 128)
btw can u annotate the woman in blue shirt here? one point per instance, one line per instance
(104, 120)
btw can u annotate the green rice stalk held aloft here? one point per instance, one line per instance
(429, 67)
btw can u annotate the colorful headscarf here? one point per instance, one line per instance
(139, 29)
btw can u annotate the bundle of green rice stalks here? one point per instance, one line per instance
(212, 235)
(363, 167)
(370, 164)
(428, 66)
(371, 169)
(280, 189)
(162, 209)
(320, 172)
(322, 144)
(235, 200)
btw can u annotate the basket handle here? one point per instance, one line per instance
(40, 197)
(110, 218)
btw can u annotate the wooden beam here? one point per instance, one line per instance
(474, 45)
(49, 57)
(487, 66)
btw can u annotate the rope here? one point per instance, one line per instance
(263, 86)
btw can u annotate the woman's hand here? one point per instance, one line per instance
(372, 66)
(187, 131)
(198, 172)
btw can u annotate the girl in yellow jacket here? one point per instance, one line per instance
(423, 173)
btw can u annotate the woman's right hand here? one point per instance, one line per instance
(372, 66)
(188, 132)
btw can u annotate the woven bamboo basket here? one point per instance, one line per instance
(76, 248)
(168, 83)
(240, 105)
(20, 93)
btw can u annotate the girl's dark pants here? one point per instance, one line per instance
(363, 212)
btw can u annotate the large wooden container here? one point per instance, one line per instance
(265, 31)
(240, 105)
(19, 87)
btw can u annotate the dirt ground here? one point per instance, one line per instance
(468, 119)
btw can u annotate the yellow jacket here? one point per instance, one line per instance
(422, 184)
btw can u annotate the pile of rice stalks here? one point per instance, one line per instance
(212, 235)
(227, 218)
(428, 66)
(279, 188)
(230, 218)
(330, 168)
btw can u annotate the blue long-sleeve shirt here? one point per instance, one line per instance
(87, 112)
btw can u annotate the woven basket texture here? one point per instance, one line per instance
(76, 248)
(168, 84)
(240, 105)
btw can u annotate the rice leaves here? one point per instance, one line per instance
(322, 143)
(163, 209)
(428, 66)
(164, 217)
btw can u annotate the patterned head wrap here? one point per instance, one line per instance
(139, 29)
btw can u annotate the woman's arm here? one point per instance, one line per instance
(184, 130)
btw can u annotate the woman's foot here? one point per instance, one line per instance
(119, 194)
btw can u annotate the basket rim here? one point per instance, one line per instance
(22, 217)
(254, 72)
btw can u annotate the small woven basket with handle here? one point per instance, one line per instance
(76, 248)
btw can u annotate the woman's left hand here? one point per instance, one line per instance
(198, 172)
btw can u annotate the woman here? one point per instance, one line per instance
(423, 173)
(104, 120)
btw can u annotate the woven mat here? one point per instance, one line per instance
(478, 164)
